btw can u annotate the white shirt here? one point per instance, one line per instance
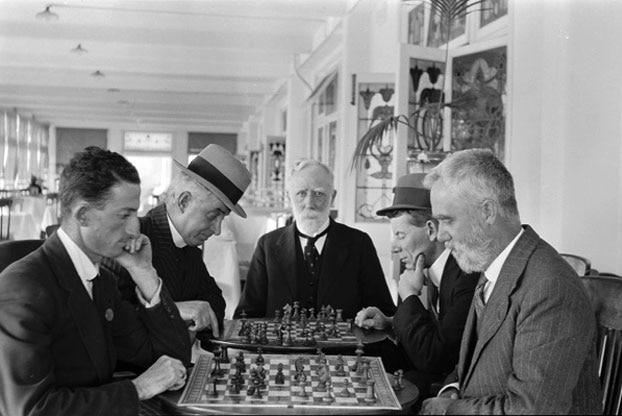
(177, 238)
(319, 243)
(87, 271)
(84, 266)
(435, 271)
(492, 272)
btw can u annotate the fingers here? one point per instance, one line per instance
(364, 318)
(420, 262)
(213, 323)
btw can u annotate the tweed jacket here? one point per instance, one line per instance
(58, 354)
(535, 352)
(432, 343)
(350, 279)
(182, 270)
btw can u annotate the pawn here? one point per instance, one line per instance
(311, 314)
(339, 367)
(398, 381)
(212, 392)
(279, 378)
(277, 315)
(345, 392)
(259, 360)
(303, 391)
(240, 362)
(329, 397)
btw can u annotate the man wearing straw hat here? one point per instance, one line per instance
(429, 338)
(197, 200)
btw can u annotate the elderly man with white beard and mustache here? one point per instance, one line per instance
(529, 341)
(315, 260)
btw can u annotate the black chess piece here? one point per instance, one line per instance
(398, 382)
(279, 378)
(345, 392)
(259, 360)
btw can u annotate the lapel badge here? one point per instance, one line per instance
(109, 315)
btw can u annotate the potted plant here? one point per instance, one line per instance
(427, 120)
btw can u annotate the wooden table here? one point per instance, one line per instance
(166, 403)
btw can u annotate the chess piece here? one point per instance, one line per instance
(398, 381)
(339, 367)
(257, 392)
(224, 355)
(212, 392)
(339, 317)
(259, 360)
(303, 391)
(279, 378)
(349, 326)
(217, 372)
(235, 385)
(345, 392)
(296, 312)
(277, 316)
(288, 339)
(329, 397)
(370, 397)
(240, 362)
(311, 314)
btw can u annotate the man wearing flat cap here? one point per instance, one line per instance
(429, 338)
(197, 200)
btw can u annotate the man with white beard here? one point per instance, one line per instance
(529, 341)
(315, 260)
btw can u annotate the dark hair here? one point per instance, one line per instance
(417, 217)
(91, 174)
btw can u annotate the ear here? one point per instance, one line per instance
(333, 197)
(80, 213)
(183, 201)
(489, 211)
(432, 230)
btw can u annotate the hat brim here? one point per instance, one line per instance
(213, 189)
(400, 207)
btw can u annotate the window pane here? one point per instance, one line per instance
(155, 176)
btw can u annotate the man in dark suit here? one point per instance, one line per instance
(315, 260)
(62, 322)
(429, 338)
(529, 340)
(196, 202)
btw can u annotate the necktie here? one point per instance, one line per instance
(432, 298)
(97, 294)
(312, 257)
(478, 297)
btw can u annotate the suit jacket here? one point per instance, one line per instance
(536, 350)
(58, 353)
(350, 279)
(432, 344)
(182, 270)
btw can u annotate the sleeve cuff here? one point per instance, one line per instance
(155, 300)
(455, 386)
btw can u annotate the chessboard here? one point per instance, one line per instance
(298, 331)
(290, 381)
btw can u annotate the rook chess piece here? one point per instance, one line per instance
(370, 397)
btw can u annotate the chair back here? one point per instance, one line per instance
(11, 251)
(581, 265)
(5, 218)
(605, 293)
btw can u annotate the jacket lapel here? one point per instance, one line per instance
(286, 256)
(335, 253)
(499, 302)
(82, 308)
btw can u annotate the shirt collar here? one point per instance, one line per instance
(492, 272)
(435, 272)
(177, 238)
(84, 266)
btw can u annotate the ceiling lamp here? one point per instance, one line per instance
(47, 14)
(98, 74)
(79, 50)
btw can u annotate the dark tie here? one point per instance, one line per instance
(478, 297)
(98, 298)
(312, 257)
(432, 298)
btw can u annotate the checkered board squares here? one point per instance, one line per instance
(198, 390)
(347, 337)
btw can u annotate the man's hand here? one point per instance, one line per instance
(411, 281)
(372, 317)
(165, 374)
(136, 258)
(200, 313)
(436, 406)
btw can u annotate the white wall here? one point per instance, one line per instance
(566, 130)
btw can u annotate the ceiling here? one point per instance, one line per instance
(195, 65)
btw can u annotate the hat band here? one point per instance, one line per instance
(412, 196)
(210, 173)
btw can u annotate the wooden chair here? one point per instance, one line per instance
(605, 293)
(11, 251)
(581, 265)
(5, 218)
